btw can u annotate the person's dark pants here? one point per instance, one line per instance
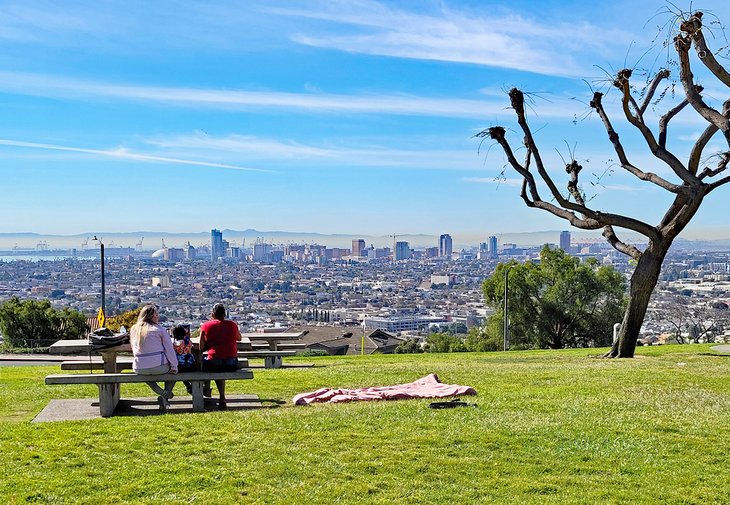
(188, 384)
(218, 366)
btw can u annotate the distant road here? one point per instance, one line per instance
(30, 360)
(721, 348)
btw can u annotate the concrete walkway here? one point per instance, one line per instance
(34, 359)
(88, 408)
(721, 348)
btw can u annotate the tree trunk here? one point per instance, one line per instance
(643, 281)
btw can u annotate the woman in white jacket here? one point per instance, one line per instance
(153, 352)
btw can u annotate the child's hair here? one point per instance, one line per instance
(179, 331)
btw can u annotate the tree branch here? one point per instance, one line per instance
(517, 100)
(721, 166)
(659, 77)
(620, 246)
(717, 184)
(592, 220)
(664, 121)
(682, 45)
(573, 169)
(597, 105)
(696, 155)
(699, 147)
(622, 83)
(693, 28)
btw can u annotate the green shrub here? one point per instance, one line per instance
(410, 346)
(34, 323)
(313, 353)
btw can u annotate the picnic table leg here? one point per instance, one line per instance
(110, 361)
(108, 399)
(272, 345)
(272, 362)
(198, 400)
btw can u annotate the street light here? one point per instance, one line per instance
(506, 309)
(103, 285)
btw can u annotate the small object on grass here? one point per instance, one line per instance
(681, 363)
(454, 402)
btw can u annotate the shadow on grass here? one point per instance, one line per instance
(150, 407)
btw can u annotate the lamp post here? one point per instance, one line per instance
(506, 309)
(103, 284)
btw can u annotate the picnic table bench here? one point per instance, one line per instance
(285, 346)
(274, 340)
(272, 359)
(109, 384)
(122, 363)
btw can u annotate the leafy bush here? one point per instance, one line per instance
(313, 353)
(126, 319)
(35, 323)
(410, 346)
(444, 342)
(486, 338)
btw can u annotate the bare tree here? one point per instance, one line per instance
(693, 183)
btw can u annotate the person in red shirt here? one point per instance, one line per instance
(219, 337)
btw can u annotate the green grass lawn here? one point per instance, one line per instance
(550, 427)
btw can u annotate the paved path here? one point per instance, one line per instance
(721, 348)
(34, 359)
(88, 408)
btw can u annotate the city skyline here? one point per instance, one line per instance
(339, 117)
(154, 240)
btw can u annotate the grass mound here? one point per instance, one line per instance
(551, 427)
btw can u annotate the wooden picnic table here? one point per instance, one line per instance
(109, 354)
(273, 339)
(83, 347)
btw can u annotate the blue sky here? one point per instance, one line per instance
(324, 116)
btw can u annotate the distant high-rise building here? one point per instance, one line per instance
(402, 251)
(189, 252)
(262, 251)
(565, 241)
(483, 252)
(216, 244)
(492, 246)
(173, 254)
(445, 246)
(358, 247)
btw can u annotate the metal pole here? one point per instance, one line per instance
(506, 310)
(103, 284)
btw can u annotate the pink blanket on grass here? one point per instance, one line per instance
(425, 387)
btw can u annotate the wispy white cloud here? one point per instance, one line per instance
(124, 154)
(52, 86)
(498, 181)
(500, 38)
(359, 153)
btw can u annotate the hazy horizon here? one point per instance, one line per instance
(152, 240)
